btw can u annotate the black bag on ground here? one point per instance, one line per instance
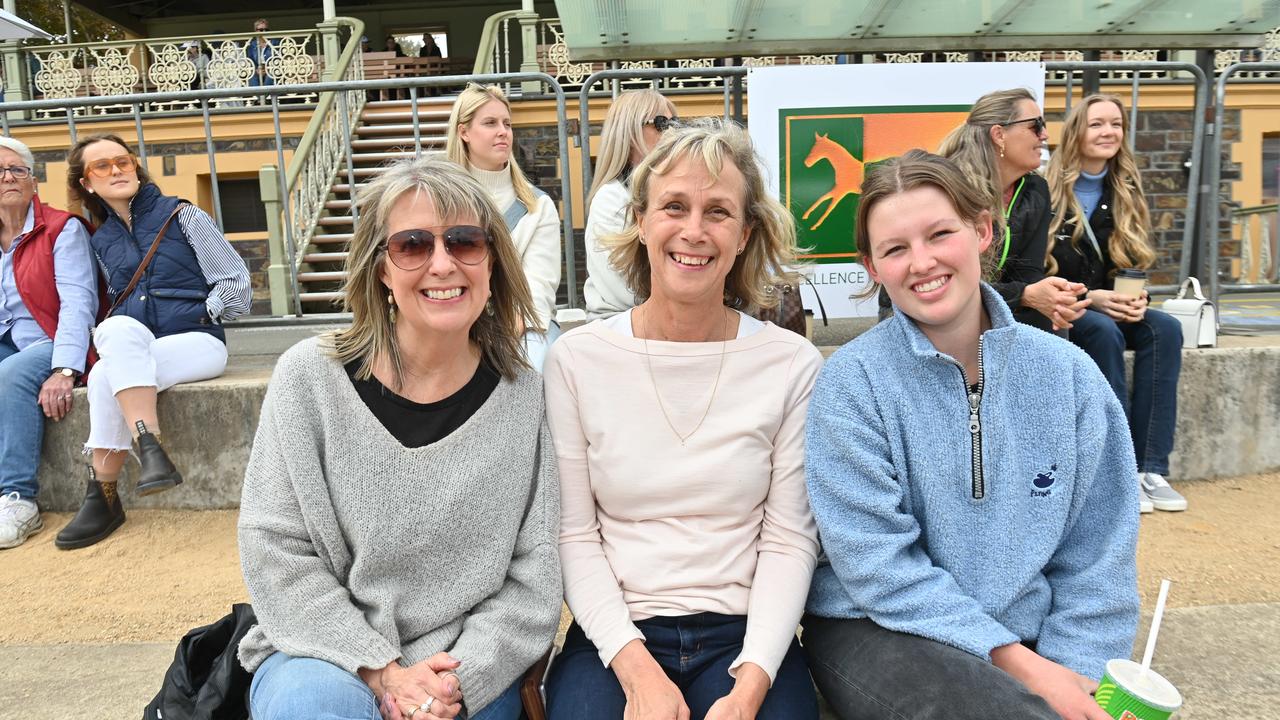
(206, 680)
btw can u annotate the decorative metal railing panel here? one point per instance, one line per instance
(165, 65)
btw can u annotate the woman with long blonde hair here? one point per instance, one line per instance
(998, 148)
(398, 519)
(480, 139)
(632, 127)
(1101, 228)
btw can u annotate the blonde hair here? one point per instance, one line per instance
(916, 169)
(623, 131)
(453, 193)
(464, 111)
(1128, 244)
(770, 250)
(970, 147)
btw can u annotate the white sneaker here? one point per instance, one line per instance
(19, 519)
(1163, 497)
(1144, 503)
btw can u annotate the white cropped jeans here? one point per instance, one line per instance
(130, 356)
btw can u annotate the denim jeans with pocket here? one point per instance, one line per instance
(695, 651)
(1152, 404)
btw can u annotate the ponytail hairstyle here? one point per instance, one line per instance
(1128, 245)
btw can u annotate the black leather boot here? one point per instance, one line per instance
(98, 517)
(158, 472)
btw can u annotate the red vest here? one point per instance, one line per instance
(33, 268)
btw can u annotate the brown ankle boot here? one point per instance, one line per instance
(99, 516)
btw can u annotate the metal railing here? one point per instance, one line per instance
(163, 65)
(1137, 72)
(1212, 215)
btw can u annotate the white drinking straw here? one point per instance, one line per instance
(1155, 625)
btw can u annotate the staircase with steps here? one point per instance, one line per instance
(383, 135)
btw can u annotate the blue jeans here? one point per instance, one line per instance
(286, 688)
(1156, 341)
(695, 651)
(22, 373)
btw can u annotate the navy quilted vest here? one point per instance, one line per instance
(169, 298)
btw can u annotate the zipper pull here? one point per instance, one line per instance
(974, 424)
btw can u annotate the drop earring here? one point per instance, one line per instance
(1002, 151)
(488, 308)
(391, 307)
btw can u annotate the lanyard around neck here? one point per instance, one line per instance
(1004, 254)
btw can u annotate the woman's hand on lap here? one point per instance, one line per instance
(402, 688)
(1068, 693)
(744, 701)
(1119, 307)
(1057, 299)
(650, 693)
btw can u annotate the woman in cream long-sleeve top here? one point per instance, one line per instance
(480, 139)
(686, 540)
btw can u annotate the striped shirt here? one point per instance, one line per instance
(224, 270)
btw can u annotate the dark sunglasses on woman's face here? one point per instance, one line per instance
(102, 168)
(662, 122)
(410, 249)
(1037, 123)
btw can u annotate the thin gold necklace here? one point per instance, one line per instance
(649, 363)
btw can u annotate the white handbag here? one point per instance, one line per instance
(1198, 316)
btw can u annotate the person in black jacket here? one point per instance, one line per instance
(1000, 144)
(1093, 176)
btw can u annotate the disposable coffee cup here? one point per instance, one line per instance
(1127, 692)
(1130, 282)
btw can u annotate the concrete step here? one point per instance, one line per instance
(326, 297)
(378, 158)
(394, 143)
(342, 205)
(322, 276)
(1227, 423)
(325, 257)
(428, 131)
(331, 238)
(334, 221)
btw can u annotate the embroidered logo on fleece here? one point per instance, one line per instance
(1043, 483)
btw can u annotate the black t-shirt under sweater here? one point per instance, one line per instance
(417, 425)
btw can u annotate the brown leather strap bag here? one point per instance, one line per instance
(146, 260)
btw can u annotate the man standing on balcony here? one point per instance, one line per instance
(48, 300)
(259, 51)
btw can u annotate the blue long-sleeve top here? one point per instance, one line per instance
(77, 294)
(1040, 547)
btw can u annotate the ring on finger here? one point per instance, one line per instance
(412, 709)
(426, 706)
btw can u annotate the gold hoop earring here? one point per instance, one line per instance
(391, 307)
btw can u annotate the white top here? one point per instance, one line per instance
(651, 527)
(536, 237)
(621, 324)
(606, 292)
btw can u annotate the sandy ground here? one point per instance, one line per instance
(165, 572)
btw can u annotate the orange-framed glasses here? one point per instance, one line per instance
(102, 168)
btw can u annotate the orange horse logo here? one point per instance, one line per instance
(848, 175)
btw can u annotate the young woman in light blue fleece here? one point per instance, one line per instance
(973, 482)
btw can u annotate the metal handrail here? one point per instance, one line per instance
(489, 39)
(326, 99)
(1213, 211)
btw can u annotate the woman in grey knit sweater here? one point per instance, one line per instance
(400, 515)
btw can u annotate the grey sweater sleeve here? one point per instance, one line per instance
(511, 629)
(302, 607)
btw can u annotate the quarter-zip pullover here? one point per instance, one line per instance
(976, 519)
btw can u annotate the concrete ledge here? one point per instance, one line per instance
(208, 431)
(1228, 425)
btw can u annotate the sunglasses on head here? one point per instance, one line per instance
(102, 168)
(1037, 123)
(662, 122)
(410, 249)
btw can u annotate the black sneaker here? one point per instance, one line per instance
(97, 518)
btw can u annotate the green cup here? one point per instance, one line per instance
(1127, 692)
